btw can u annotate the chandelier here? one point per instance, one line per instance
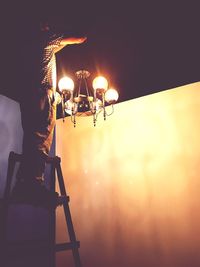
(83, 100)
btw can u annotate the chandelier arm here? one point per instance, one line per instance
(86, 86)
(97, 114)
(73, 120)
(79, 88)
(94, 119)
(84, 114)
(104, 108)
(95, 95)
(63, 107)
(108, 114)
(93, 110)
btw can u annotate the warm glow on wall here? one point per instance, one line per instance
(134, 182)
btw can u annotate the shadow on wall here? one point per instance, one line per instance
(10, 134)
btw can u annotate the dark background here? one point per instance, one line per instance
(142, 47)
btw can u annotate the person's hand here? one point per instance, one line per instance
(70, 41)
(78, 40)
(73, 40)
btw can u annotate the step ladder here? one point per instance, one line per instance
(73, 245)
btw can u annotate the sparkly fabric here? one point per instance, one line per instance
(48, 70)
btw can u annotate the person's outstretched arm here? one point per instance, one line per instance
(70, 41)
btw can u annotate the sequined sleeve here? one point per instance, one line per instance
(48, 79)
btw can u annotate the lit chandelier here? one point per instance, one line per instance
(85, 101)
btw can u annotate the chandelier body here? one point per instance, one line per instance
(84, 101)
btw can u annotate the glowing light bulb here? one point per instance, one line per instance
(69, 106)
(100, 83)
(66, 84)
(111, 96)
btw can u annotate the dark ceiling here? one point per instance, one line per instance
(142, 47)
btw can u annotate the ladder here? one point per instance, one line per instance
(73, 245)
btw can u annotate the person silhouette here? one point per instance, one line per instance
(38, 111)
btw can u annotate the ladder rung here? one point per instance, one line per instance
(15, 157)
(26, 246)
(67, 246)
(18, 157)
(61, 199)
(64, 199)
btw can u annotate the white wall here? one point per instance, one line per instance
(10, 134)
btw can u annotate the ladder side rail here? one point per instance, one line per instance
(71, 232)
(5, 204)
(52, 226)
(10, 171)
(66, 207)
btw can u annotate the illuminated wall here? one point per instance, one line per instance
(134, 182)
